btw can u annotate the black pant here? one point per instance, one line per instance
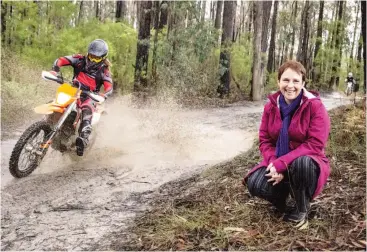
(300, 180)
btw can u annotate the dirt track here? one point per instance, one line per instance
(71, 205)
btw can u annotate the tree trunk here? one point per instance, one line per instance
(225, 57)
(363, 29)
(334, 81)
(315, 75)
(330, 42)
(156, 28)
(251, 16)
(81, 12)
(121, 9)
(257, 71)
(234, 34)
(98, 16)
(203, 9)
(164, 14)
(271, 60)
(218, 16)
(266, 5)
(354, 35)
(294, 27)
(4, 7)
(212, 11)
(142, 51)
(304, 35)
(242, 21)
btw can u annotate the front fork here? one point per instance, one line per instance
(57, 127)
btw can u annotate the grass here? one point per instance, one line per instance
(22, 88)
(214, 211)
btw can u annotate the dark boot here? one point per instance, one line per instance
(83, 138)
(300, 211)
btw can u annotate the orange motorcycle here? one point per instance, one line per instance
(57, 130)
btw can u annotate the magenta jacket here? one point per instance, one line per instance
(308, 133)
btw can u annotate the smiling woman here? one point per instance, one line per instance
(291, 80)
(293, 134)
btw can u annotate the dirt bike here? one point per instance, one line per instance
(349, 89)
(58, 129)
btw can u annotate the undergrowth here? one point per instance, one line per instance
(22, 88)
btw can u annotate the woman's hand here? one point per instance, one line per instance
(276, 177)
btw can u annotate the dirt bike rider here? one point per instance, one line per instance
(350, 79)
(91, 71)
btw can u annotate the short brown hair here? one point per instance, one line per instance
(295, 66)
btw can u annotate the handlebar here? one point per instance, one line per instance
(59, 79)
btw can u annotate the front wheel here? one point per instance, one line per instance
(349, 91)
(27, 154)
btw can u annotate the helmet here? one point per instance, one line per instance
(97, 51)
(350, 75)
(98, 48)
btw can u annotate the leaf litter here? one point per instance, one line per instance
(214, 211)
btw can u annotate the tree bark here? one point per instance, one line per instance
(315, 75)
(142, 52)
(304, 35)
(212, 11)
(363, 28)
(354, 35)
(4, 7)
(257, 71)
(251, 16)
(294, 27)
(121, 10)
(334, 81)
(203, 9)
(225, 57)
(234, 34)
(163, 14)
(98, 16)
(360, 47)
(218, 15)
(266, 5)
(156, 28)
(271, 60)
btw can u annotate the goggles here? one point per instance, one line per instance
(94, 58)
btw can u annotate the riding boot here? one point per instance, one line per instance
(85, 130)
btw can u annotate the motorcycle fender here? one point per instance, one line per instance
(49, 108)
(46, 109)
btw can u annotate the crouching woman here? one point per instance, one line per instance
(293, 133)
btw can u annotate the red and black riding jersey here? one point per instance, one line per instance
(92, 79)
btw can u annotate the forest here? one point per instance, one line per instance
(165, 172)
(192, 48)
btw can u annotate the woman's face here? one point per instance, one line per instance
(290, 84)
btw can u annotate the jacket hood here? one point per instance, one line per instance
(307, 95)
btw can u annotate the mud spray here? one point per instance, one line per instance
(73, 203)
(162, 140)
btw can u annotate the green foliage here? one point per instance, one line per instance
(120, 37)
(21, 89)
(187, 62)
(241, 62)
(272, 83)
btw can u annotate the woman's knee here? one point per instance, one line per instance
(256, 181)
(304, 170)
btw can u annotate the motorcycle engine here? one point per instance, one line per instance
(63, 140)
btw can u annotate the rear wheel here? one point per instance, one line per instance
(27, 153)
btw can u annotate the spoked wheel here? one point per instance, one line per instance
(349, 91)
(27, 154)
